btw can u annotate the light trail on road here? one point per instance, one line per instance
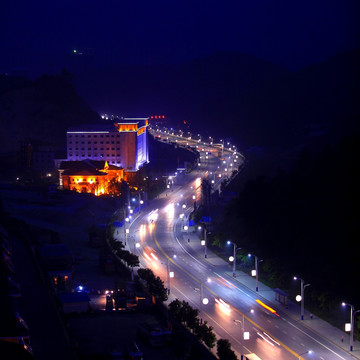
(270, 330)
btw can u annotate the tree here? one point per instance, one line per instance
(146, 274)
(158, 289)
(175, 308)
(153, 284)
(208, 337)
(131, 259)
(190, 315)
(224, 351)
(184, 313)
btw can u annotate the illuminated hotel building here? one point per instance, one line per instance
(121, 143)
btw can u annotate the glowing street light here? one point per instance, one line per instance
(203, 300)
(350, 327)
(246, 334)
(204, 242)
(256, 271)
(301, 297)
(233, 258)
(170, 274)
(306, 352)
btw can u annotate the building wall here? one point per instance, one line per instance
(128, 150)
(125, 145)
(95, 184)
(142, 147)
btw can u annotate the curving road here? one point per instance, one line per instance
(165, 246)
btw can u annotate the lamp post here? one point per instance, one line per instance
(306, 352)
(203, 300)
(301, 297)
(352, 317)
(204, 242)
(126, 231)
(246, 334)
(234, 256)
(257, 261)
(140, 202)
(170, 274)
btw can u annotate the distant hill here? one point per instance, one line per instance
(40, 110)
(260, 106)
(205, 92)
(269, 112)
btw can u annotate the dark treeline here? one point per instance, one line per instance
(305, 222)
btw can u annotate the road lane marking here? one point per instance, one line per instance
(320, 343)
(214, 321)
(216, 295)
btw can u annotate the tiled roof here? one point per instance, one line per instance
(86, 167)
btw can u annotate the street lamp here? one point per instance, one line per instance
(126, 231)
(204, 242)
(203, 300)
(140, 201)
(170, 274)
(233, 258)
(301, 297)
(352, 317)
(246, 334)
(306, 352)
(257, 261)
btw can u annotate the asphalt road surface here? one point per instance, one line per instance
(233, 310)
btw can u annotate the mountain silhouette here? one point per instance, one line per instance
(230, 95)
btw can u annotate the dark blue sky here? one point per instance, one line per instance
(40, 35)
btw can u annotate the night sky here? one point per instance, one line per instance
(40, 36)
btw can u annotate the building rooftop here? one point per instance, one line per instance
(86, 167)
(107, 126)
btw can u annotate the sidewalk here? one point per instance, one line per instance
(319, 326)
